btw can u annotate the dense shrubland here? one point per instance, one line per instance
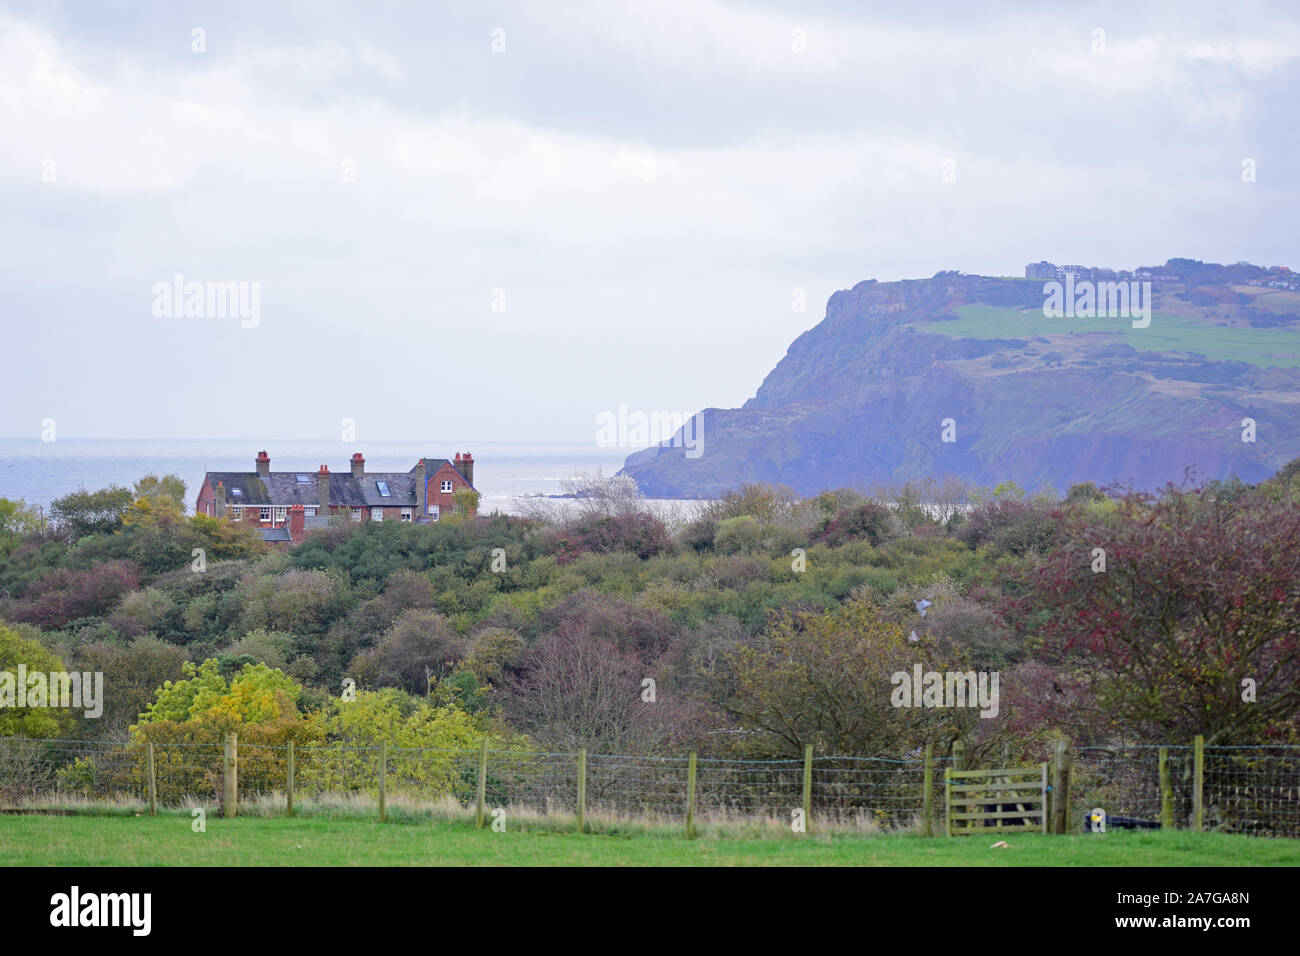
(762, 623)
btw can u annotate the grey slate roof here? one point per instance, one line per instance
(274, 534)
(282, 489)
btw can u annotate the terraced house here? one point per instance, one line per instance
(285, 505)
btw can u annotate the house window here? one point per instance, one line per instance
(406, 514)
(376, 514)
(356, 514)
(264, 514)
(446, 486)
(280, 514)
(236, 513)
(433, 512)
(310, 511)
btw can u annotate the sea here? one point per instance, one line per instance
(512, 477)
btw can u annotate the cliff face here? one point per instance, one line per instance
(863, 397)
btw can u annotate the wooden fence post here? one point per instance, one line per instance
(383, 780)
(927, 798)
(1198, 786)
(947, 799)
(690, 797)
(1166, 792)
(958, 764)
(480, 802)
(153, 785)
(582, 789)
(1061, 789)
(289, 780)
(807, 788)
(230, 776)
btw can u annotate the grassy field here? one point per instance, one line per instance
(167, 840)
(1167, 332)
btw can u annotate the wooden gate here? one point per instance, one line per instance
(1007, 800)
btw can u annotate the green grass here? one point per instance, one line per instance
(1167, 332)
(167, 840)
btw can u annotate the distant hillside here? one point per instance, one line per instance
(860, 398)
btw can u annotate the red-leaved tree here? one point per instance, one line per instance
(1176, 610)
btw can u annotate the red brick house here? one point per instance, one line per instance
(285, 505)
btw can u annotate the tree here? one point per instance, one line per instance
(1197, 602)
(580, 691)
(167, 489)
(132, 677)
(256, 695)
(419, 646)
(156, 498)
(15, 721)
(870, 520)
(642, 534)
(495, 654)
(1008, 525)
(17, 519)
(465, 503)
(764, 503)
(825, 679)
(63, 596)
(596, 495)
(83, 512)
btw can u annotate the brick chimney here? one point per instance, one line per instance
(221, 499)
(358, 465)
(263, 462)
(421, 489)
(297, 522)
(323, 486)
(465, 465)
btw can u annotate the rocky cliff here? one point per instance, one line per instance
(965, 375)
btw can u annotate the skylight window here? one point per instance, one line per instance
(304, 480)
(237, 492)
(383, 489)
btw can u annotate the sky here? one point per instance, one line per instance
(501, 220)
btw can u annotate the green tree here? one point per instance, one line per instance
(83, 512)
(256, 695)
(17, 721)
(17, 519)
(826, 679)
(162, 490)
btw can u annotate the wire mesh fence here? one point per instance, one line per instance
(1126, 782)
(1252, 790)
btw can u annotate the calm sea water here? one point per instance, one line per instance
(504, 472)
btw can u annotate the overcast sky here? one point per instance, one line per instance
(643, 187)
